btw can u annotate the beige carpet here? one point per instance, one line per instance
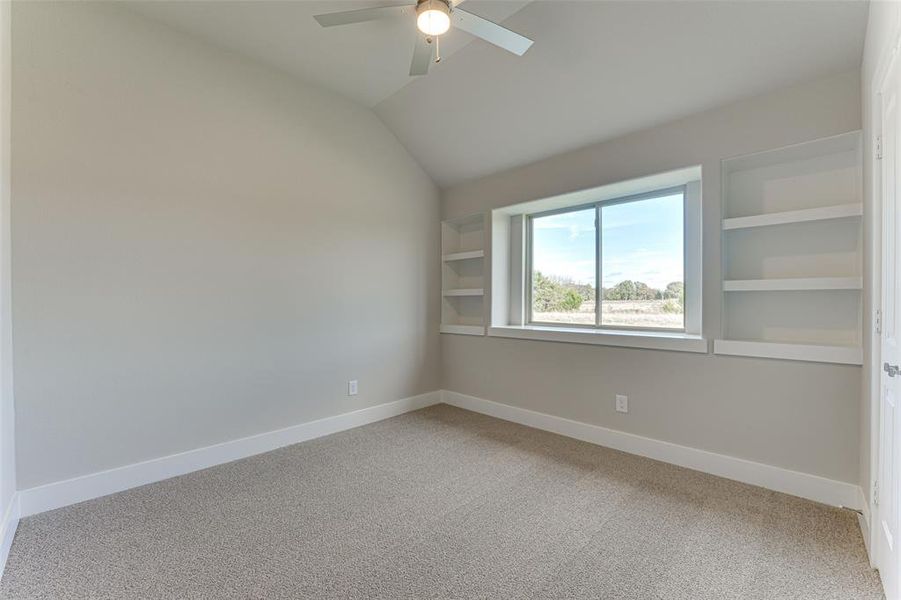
(442, 503)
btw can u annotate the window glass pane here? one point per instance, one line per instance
(642, 263)
(564, 265)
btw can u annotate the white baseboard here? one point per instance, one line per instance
(812, 487)
(8, 525)
(863, 519)
(71, 491)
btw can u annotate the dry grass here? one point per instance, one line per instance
(629, 313)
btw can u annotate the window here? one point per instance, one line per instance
(643, 260)
(638, 243)
(615, 265)
(564, 267)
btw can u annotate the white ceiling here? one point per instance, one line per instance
(598, 69)
(366, 62)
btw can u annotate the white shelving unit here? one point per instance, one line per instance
(808, 352)
(463, 275)
(465, 292)
(825, 213)
(793, 252)
(793, 284)
(463, 255)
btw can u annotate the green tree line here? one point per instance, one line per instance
(553, 294)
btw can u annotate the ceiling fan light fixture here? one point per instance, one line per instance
(433, 17)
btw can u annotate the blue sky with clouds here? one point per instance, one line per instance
(641, 241)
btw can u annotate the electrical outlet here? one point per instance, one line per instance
(622, 403)
(352, 387)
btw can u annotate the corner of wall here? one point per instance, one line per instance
(7, 413)
(9, 502)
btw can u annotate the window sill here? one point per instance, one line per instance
(654, 340)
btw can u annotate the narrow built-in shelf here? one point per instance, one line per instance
(783, 285)
(463, 255)
(463, 329)
(462, 268)
(840, 211)
(850, 355)
(465, 292)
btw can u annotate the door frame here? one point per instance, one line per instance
(873, 99)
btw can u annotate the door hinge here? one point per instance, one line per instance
(877, 321)
(876, 493)
(878, 147)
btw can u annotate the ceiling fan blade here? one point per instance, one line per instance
(423, 53)
(490, 32)
(362, 15)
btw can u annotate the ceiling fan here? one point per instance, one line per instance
(433, 18)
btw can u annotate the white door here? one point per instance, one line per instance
(888, 557)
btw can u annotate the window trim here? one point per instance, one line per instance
(651, 340)
(598, 205)
(506, 266)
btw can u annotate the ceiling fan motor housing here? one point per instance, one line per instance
(442, 5)
(433, 16)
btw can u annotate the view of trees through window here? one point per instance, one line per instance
(641, 265)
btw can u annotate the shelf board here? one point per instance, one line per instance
(783, 285)
(465, 292)
(836, 144)
(463, 329)
(475, 219)
(463, 255)
(849, 355)
(839, 211)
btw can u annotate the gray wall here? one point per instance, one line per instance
(800, 416)
(7, 409)
(202, 249)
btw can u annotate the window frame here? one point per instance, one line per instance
(598, 205)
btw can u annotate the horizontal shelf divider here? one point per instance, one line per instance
(476, 219)
(850, 355)
(840, 211)
(797, 284)
(836, 144)
(465, 292)
(464, 255)
(463, 329)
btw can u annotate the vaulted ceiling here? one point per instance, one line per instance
(598, 69)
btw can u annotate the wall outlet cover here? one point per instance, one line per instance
(622, 403)
(352, 387)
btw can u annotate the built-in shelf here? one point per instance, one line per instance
(465, 292)
(464, 255)
(765, 196)
(787, 285)
(840, 211)
(850, 355)
(464, 329)
(463, 275)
